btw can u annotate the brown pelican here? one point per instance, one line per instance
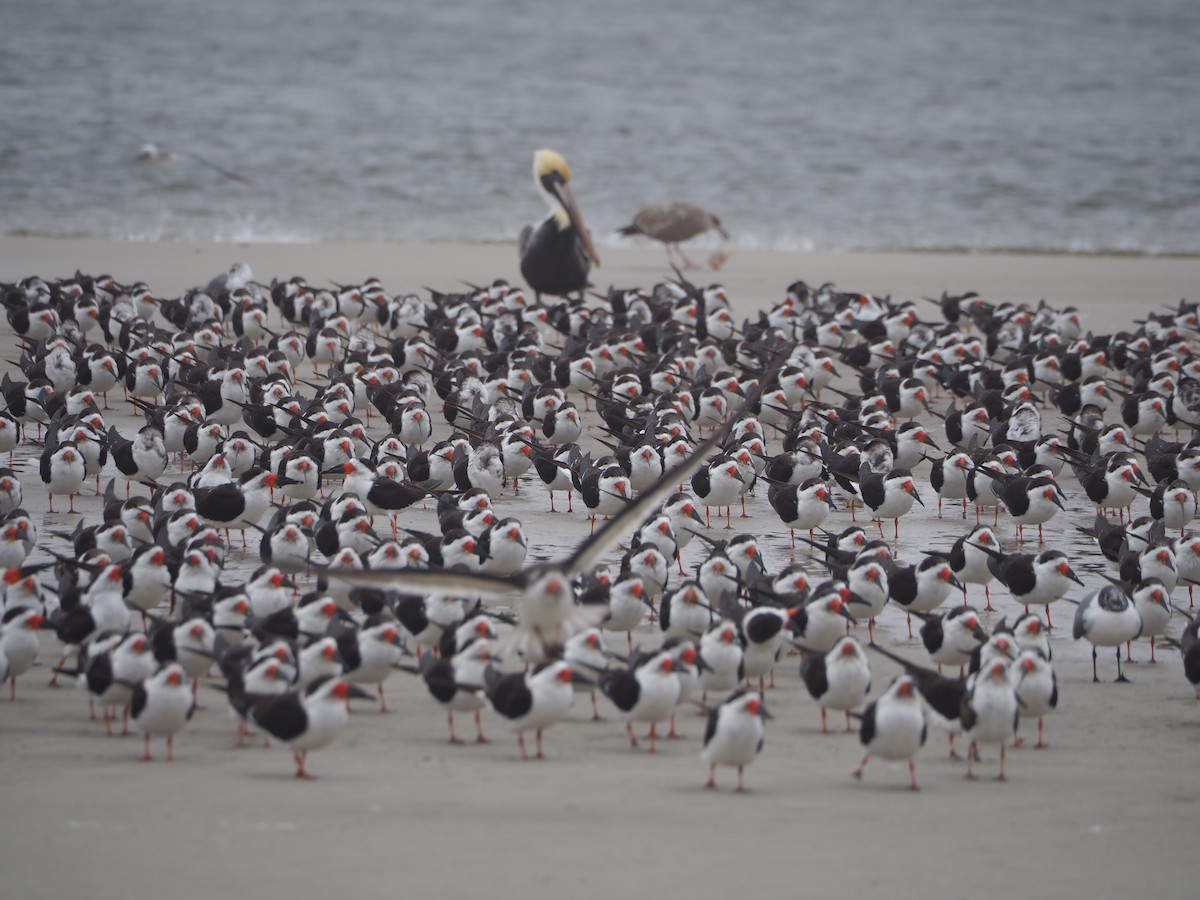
(674, 222)
(557, 254)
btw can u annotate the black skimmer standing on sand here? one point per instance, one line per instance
(989, 712)
(63, 471)
(1036, 686)
(646, 693)
(924, 587)
(952, 638)
(532, 701)
(889, 496)
(161, 705)
(839, 679)
(457, 683)
(1033, 580)
(734, 735)
(1107, 618)
(718, 483)
(307, 721)
(19, 643)
(557, 254)
(893, 727)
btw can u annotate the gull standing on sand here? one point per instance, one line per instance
(673, 222)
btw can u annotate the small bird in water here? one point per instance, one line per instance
(674, 222)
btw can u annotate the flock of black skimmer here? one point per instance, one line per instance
(323, 424)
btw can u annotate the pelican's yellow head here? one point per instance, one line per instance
(553, 178)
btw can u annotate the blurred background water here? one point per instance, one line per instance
(828, 124)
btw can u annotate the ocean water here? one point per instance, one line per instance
(843, 124)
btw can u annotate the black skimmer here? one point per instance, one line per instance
(1106, 617)
(161, 705)
(721, 652)
(1036, 686)
(952, 638)
(924, 587)
(839, 679)
(893, 727)
(718, 483)
(1033, 580)
(19, 642)
(674, 221)
(1153, 603)
(532, 701)
(307, 721)
(989, 712)
(63, 471)
(804, 506)
(647, 691)
(556, 255)
(238, 505)
(370, 655)
(685, 612)
(888, 496)
(457, 683)
(734, 735)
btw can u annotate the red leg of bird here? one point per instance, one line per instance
(912, 774)
(712, 777)
(792, 530)
(1153, 661)
(744, 516)
(771, 681)
(939, 507)
(824, 730)
(54, 678)
(1001, 776)
(1041, 540)
(909, 617)
(857, 773)
(570, 508)
(1049, 624)
(953, 752)
(242, 730)
(632, 737)
(853, 514)
(538, 735)
(849, 727)
(71, 503)
(879, 525)
(741, 783)
(383, 708)
(987, 595)
(107, 721)
(729, 517)
(125, 722)
(970, 760)
(51, 502)
(762, 684)
(1128, 655)
(595, 712)
(479, 736)
(521, 744)
(896, 535)
(672, 735)
(707, 518)
(679, 559)
(301, 757)
(450, 722)
(1016, 735)
(170, 748)
(146, 757)
(871, 630)
(653, 738)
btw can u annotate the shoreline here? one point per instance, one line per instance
(1101, 286)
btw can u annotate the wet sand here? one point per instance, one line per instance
(1108, 807)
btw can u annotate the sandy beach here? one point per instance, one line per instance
(1108, 808)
